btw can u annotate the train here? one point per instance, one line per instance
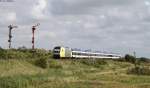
(60, 52)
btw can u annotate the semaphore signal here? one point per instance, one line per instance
(10, 34)
(33, 33)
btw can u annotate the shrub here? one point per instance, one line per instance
(23, 81)
(54, 64)
(130, 58)
(1, 48)
(139, 71)
(23, 53)
(101, 62)
(143, 59)
(13, 82)
(120, 59)
(2, 54)
(93, 62)
(42, 62)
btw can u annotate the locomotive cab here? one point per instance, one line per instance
(56, 52)
(59, 52)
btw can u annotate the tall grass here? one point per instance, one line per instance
(93, 62)
(54, 64)
(24, 54)
(70, 74)
(139, 71)
(22, 81)
(42, 72)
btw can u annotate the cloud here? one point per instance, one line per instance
(107, 25)
(79, 7)
(39, 9)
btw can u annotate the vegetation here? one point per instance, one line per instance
(42, 62)
(20, 68)
(93, 62)
(54, 64)
(68, 74)
(144, 60)
(23, 53)
(139, 70)
(130, 58)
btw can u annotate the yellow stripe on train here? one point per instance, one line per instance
(62, 52)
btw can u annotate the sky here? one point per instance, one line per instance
(119, 26)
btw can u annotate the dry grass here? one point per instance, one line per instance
(73, 74)
(17, 67)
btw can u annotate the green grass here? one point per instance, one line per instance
(69, 74)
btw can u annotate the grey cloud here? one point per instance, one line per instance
(86, 6)
(107, 25)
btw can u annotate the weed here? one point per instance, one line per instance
(139, 71)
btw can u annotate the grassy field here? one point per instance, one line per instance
(69, 74)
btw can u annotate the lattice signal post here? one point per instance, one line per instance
(10, 34)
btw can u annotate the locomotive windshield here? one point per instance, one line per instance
(56, 52)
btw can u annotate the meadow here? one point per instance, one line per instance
(69, 73)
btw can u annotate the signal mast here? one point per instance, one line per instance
(10, 34)
(33, 34)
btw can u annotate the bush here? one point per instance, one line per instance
(43, 63)
(120, 59)
(13, 82)
(1, 48)
(23, 81)
(54, 64)
(23, 53)
(143, 59)
(41, 53)
(2, 54)
(139, 71)
(93, 62)
(101, 62)
(130, 58)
